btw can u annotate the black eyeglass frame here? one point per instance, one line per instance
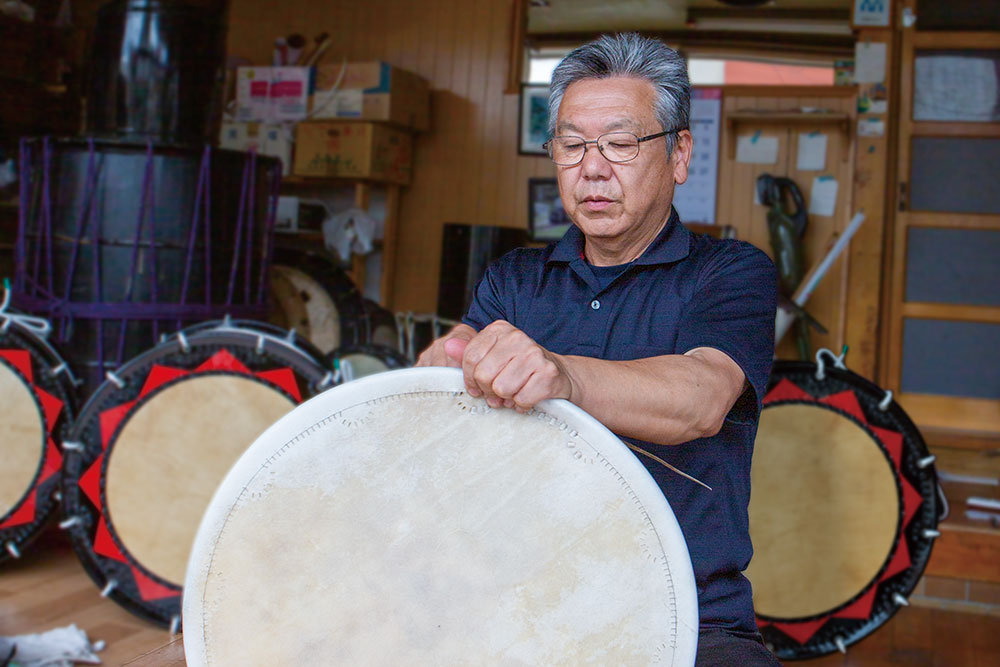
(548, 145)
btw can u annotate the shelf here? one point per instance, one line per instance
(841, 119)
(326, 182)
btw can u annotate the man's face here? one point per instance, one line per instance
(627, 201)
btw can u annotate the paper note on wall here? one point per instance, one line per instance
(869, 62)
(695, 199)
(755, 149)
(812, 151)
(823, 198)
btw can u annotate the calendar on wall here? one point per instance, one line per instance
(695, 199)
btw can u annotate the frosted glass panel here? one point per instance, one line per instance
(956, 86)
(958, 266)
(951, 358)
(955, 175)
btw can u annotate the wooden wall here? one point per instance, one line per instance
(735, 203)
(467, 168)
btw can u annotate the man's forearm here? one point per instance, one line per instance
(666, 400)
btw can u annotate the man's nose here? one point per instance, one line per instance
(594, 165)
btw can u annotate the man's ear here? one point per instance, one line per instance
(681, 155)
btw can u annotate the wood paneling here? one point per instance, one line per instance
(466, 168)
(737, 182)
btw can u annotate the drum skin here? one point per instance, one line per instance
(397, 520)
(36, 408)
(157, 438)
(315, 297)
(843, 509)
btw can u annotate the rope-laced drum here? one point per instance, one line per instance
(397, 520)
(155, 440)
(36, 406)
(843, 508)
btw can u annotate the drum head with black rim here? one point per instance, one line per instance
(157, 438)
(843, 508)
(36, 407)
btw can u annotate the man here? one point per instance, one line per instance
(663, 336)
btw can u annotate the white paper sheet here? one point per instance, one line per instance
(869, 62)
(757, 149)
(695, 199)
(823, 198)
(812, 151)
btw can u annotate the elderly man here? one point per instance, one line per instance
(664, 336)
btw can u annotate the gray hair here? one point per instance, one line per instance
(629, 55)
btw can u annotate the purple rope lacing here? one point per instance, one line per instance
(152, 244)
(88, 200)
(239, 232)
(251, 209)
(203, 174)
(147, 179)
(20, 262)
(272, 214)
(208, 231)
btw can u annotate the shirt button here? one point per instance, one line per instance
(595, 304)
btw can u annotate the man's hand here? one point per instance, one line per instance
(509, 369)
(437, 353)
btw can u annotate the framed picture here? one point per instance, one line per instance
(547, 220)
(533, 121)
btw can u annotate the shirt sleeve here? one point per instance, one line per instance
(733, 310)
(487, 300)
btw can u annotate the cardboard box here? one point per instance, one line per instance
(290, 90)
(253, 94)
(372, 91)
(264, 138)
(345, 149)
(273, 94)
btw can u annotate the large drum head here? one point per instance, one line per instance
(169, 458)
(156, 440)
(843, 507)
(396, 520)
(36, 392)
(817, 476)
(23, 437)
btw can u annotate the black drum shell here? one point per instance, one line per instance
(111, 201)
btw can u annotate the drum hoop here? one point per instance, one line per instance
(16, 529)
(444, 381)
(155, 598)
(803, 637)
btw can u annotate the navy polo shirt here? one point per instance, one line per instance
(685, 291)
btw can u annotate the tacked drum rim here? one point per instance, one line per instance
(47, 377)
(319, 409)
(919, 509)
(100, 550)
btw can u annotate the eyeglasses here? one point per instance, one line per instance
(614, 146)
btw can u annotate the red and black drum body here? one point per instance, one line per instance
(154, 441)
(36, 408)
(843, 511)
(119, 242)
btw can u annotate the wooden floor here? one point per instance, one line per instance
(48, 588)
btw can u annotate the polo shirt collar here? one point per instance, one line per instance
(670, 245)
